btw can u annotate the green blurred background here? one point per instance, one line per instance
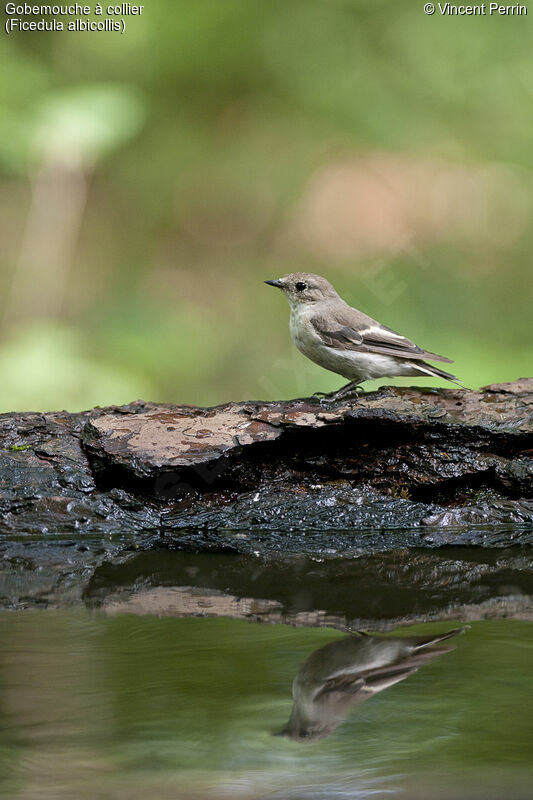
(151, 181)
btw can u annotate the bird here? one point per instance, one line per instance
(344, 340)
(346, 672)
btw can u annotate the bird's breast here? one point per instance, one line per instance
(303, 334)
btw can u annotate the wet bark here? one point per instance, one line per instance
(395, 468)
(255, 475)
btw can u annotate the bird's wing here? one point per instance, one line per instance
(360, 686)
(349, 329)
(348, 683)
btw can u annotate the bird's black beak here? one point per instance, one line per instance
(278, 284)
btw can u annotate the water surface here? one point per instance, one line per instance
(127, 706)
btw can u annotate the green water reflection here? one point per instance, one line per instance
(112, 707)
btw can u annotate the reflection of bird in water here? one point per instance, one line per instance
(345, 673)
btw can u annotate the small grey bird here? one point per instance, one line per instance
(344, 340)
(344, 673)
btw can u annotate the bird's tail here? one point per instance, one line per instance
(428, 641)
(436, 372)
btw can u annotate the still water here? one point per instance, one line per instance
(177, 676)
(125, 706)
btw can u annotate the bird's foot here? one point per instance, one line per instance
(351, 390)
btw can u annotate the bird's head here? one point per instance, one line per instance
(304, 728)
(304, 288)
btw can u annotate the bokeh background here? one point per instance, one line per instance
(151, 181)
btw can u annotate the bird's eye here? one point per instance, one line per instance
(300, 286)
